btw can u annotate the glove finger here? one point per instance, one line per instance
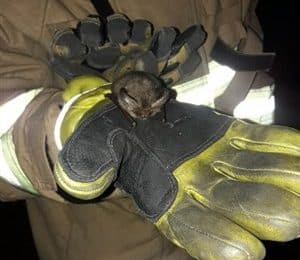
(140, 37)
(103, 58)
(118, 29)
(206, 234)
(265, 210)
(161, 45)
(178, 70)
(265, 154)
(271, 139)
(68, 70)
(90, 31)
(193, 37)
(141, 32)
(261, 167)
(184, 56)
(67, 45)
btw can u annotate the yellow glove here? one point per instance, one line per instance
(213, 185)
(242, 188)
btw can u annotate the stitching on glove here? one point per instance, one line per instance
(211, 236)
(71, 141)
(250, 142)
(220, 167)
(171, 179)
(219, 209)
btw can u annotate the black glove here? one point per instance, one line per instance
(113, 47)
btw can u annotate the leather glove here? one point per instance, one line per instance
(112, 47)
(80, 96)
(213, 185)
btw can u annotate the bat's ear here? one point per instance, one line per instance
(162, 100)
(126, 99)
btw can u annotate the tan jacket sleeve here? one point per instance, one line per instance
(25, 32)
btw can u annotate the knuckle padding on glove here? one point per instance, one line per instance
(161, 45)
(141, 30)
(145, 155)
(162, 42)
(118, 28)
(178, 70)
(90, 32)
(111, 46)
(66, 44)
(194, 37)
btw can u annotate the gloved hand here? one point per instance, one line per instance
(117, 45)
(80, 96)
(211, 184)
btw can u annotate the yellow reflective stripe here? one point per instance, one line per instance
(13, 109)
(10, 169)
(83, 190)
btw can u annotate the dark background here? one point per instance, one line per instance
(279, 20)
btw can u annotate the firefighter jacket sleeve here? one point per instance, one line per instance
(212, 184)
(31, 93)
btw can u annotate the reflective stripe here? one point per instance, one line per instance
(258, 106)
(10, 169)
(5, 171)
(203, 90)
(13, 109)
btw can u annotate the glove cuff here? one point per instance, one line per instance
(60, 119)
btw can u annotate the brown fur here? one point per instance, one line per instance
(140, 94)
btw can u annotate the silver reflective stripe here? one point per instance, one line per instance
(258, 106)
(13, 109)
(10, 169)
(204, 90)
